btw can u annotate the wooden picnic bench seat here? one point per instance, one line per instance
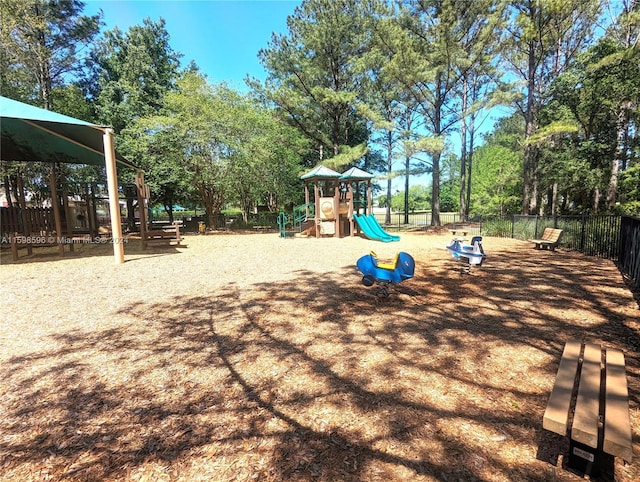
(600, 420)
(167, 234)
(461, 230)
(549, 240)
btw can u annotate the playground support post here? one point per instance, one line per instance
(114, 204)
(53, 181)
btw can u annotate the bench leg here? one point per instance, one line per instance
(587, 461)
(581, 457)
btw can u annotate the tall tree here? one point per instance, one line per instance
(625, 61)
(311, 76)
(264, 154)
(42, 43)
(480, 87)
(599, 95)
(542, 39)
(226, 146)
(426, 51)
(388, 103)
(134, 71)
(191, 114)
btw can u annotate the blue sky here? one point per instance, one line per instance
(222, 36)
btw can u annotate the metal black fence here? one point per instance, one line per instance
(604, 236)
(414, 220)
(629, 251)
(592, 235)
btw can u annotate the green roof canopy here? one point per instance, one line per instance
(33, 134)
(356, 174)
(29, 133)
(321, 172)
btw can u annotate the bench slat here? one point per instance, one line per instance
(585, 421)
(550, 239)
(556, 416)
(617, 426)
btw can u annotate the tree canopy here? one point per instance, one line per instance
(399, 88)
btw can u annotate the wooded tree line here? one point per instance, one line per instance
(398, 88)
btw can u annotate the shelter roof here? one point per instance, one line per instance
(321, 172)
(356, 174)
(30, 133)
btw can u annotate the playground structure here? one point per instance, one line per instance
(335, 200)
(472, 255)
(385, 274)
(74, 219)
(335, 205)
(66, 222)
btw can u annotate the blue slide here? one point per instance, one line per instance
(372, 229)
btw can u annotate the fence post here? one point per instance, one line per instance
(582, 232)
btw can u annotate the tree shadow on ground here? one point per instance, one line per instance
(315, 378)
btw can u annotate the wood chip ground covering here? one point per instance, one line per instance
(250, 357)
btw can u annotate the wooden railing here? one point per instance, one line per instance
(26, 221)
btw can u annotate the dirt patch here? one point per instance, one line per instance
(251, 357)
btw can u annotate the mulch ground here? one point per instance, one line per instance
(251, 357)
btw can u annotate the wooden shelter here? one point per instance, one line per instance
(29, 133)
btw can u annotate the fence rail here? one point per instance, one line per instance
(629, 259)
(604, 236)
(593, 235)
(28, 220)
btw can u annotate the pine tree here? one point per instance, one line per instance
(312, 79)
(42, 42)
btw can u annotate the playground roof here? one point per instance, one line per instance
(33, 134)
(319, 172)
(355, 173)
(29, 133)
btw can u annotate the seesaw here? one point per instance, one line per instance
(472, 255)
(385, 274)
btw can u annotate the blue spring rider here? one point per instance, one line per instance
(384, 274)
(473, 255)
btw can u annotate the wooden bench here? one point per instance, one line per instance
(462, 230)
(168, 234)
(590, 402)
(549, 240)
